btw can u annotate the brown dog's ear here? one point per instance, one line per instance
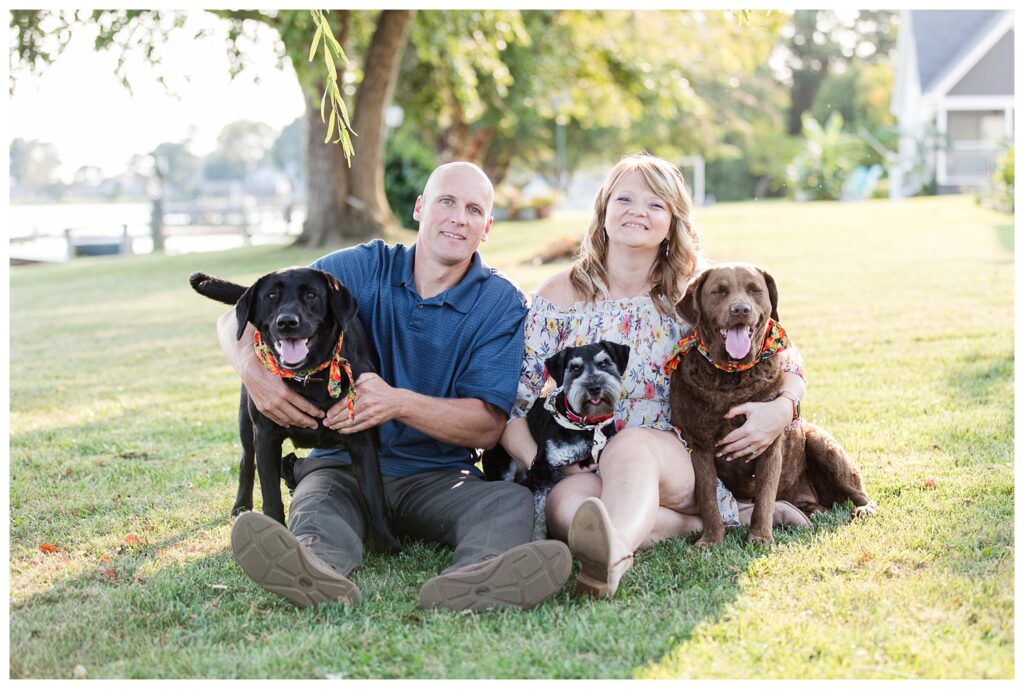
(773, 293)
(343, 304)
(688, 307)
(245, 309)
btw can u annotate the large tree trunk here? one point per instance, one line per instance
(349, 203)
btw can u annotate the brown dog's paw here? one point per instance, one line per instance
(708, 540)
(761, 538)
(868, 510)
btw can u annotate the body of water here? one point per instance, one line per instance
(36, 231)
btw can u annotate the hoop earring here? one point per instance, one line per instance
(668, 246)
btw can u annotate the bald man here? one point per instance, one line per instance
(449, 333)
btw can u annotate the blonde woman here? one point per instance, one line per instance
(633, 265)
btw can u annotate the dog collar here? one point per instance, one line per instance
(585, 421)
(566, 418)
(775, 340)
(336, 362)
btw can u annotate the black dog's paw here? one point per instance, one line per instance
(239, 509)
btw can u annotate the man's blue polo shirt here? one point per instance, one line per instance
(466, 342)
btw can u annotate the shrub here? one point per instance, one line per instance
(820, 170)
(407, 165)
(1003, 178)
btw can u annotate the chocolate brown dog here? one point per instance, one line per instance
(307, 332)
(732, 358)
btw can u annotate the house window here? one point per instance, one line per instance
(976, 125)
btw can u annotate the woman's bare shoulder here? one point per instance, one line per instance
(558, 290)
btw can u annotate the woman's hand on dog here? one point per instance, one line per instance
(765, 422)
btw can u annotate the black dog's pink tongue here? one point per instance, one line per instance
(293, 351)
(737, 342)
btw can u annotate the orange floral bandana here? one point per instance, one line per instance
(775, 340)
(337, 364)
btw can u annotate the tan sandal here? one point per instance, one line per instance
(592, 540)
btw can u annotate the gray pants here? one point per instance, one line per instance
(478, 518)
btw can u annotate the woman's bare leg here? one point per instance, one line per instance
(644, 470)
(565, 498)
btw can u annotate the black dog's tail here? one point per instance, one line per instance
(216, 288)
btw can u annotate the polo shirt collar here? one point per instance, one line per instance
(462, 296)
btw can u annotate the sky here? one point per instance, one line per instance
(81, 107)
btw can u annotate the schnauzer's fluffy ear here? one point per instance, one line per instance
(555, 364)
(619, 354)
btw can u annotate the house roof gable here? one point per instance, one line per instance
(943, 37)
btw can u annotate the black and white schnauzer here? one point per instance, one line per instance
(571, 424)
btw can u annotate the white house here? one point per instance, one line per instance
(953, 98)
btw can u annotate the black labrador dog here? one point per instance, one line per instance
(307, 332)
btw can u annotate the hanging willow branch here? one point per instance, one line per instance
(338, 125)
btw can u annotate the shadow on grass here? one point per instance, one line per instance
(978, 376)
(982, 387)
(204, 618)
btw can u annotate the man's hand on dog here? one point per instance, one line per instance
(376, 403)
(275, 401)
(765, 422)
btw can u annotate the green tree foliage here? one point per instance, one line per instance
(181, 170)
(288, 152)
(494, 85)
(241, 146)
(343, 202)
(34, 164)
(818, 41)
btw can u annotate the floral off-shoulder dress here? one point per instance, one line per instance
(651, 337)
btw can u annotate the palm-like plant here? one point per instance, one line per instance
(829, 155)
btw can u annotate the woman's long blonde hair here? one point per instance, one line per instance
(678, 255)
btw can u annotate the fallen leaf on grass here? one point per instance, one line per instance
(929, 483)
(250, 638)
(110, 573)
(47, 548)
(104, 559)
(132, 539)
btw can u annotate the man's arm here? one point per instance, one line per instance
(461, 422)
(271, 396)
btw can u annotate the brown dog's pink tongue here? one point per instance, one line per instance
(737, 342)
(293, 351)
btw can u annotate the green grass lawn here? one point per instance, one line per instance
(124, 457)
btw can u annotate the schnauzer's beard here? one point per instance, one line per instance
(584, 403)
